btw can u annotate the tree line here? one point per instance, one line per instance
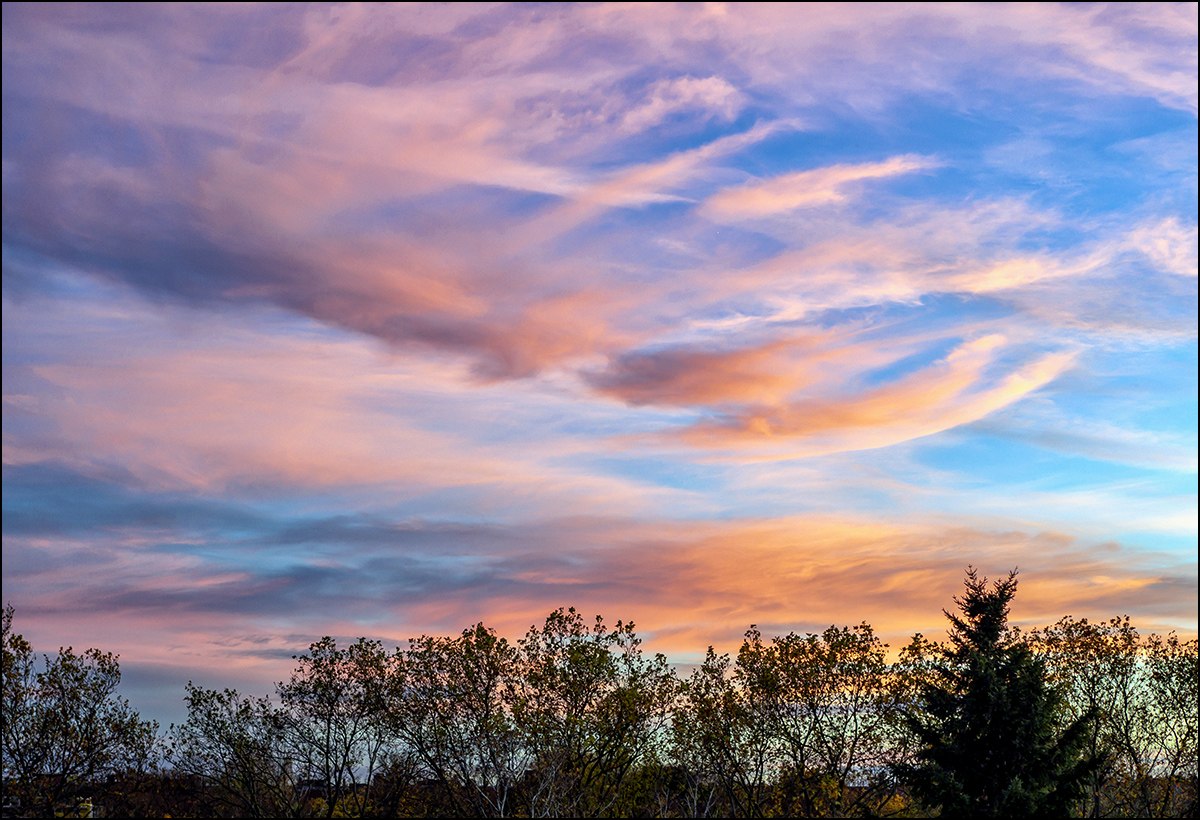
(574, 719)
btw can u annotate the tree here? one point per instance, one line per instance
(721, 737)
(451, 709)
(589, 707)
(335, 713)
(831, 709)
(64, 728)
(236, 746)
(1097, 669)
(990, 741)
(1174, 668)
(1143, 692)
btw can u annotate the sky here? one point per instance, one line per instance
(383, 320)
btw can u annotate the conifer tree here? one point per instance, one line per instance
(992, 743)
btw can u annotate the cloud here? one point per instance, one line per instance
(804, 189)
(1169, 245)
(50, 499)
(1141, 50)
(685, 583)
(262, 406)
(1100, 439)
(668, 96)
(951, 392)
(327, 176)
(808, 395)
(683, 376)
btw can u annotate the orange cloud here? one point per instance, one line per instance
(808, 573)
(948, 394)
(686, 584)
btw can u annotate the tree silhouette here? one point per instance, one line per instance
(63, 726)
(990, 738)
(575, 720)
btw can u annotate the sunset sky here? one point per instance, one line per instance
(382, 320)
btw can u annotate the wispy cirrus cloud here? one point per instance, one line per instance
(804, 189)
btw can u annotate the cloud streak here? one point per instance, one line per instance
(804, 189)
(944, 396)
(705, 584)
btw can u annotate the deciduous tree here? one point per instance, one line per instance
(237, 746)
(721, 733)
(589, 706)
(451, 709)
(64, 727)
(335, 713)
(831, 707)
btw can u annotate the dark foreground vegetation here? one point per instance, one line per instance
(574, 720)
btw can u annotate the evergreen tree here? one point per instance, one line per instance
(992, 743)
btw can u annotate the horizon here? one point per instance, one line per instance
(387, 320)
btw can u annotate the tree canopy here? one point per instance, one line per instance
(574, 719)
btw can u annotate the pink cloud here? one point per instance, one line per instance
(685, 584)
(804, 189)
(699, 377)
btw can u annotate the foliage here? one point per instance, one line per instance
(63, 725)
(238, 746)
(450, 708)
(588, 705)
(575, 720)
(992, 743)
(1143, 693)
(719, 739)
(830, 711)
(335, 714)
